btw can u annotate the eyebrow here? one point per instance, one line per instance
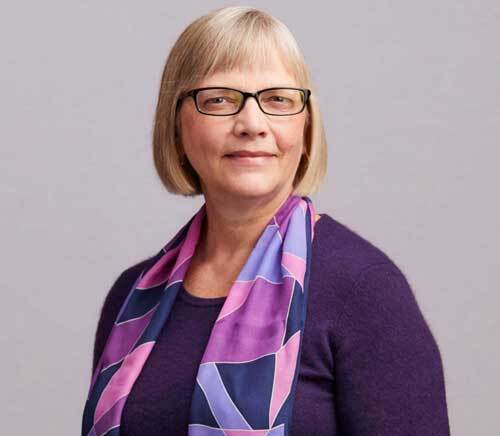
(265, 87)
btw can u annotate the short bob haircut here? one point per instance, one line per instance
(222, 40)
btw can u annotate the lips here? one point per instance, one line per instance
(246, 153)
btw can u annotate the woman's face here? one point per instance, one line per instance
(207, 139)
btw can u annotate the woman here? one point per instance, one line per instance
(260, 316)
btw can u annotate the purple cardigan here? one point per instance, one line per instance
(369, 365)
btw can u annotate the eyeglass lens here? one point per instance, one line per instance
(227, 101)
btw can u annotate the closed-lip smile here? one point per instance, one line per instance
(248, 153)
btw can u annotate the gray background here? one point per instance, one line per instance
(410, 97)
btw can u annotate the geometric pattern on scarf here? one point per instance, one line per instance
(247, 377)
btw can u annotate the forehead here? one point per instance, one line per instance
(251, 78)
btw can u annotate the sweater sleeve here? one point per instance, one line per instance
(388, 369)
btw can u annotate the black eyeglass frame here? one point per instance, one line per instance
(194, 92)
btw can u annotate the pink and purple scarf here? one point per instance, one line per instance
(247, 377)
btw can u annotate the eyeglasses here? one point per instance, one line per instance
(221, 101)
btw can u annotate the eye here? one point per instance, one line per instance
(218, 100)
(214, 100)
(279, 98)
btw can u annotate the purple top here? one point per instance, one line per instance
(369, 364)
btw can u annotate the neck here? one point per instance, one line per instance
(232, 227)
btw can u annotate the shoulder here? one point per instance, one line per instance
(342, 258)
(385, 356)
(366, 298)
(340, 247)
(120, 290)
(349, 275)
(121, 287)
(113, 301)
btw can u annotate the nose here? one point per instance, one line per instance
(251, 121)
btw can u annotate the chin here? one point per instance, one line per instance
(249, 189)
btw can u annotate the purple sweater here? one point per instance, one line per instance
(369, 364)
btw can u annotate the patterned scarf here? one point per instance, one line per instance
(248, 374)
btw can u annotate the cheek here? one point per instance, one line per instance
(198, 139)
(204, 146)
(290, 140)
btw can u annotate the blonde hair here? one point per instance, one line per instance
(222, 40)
